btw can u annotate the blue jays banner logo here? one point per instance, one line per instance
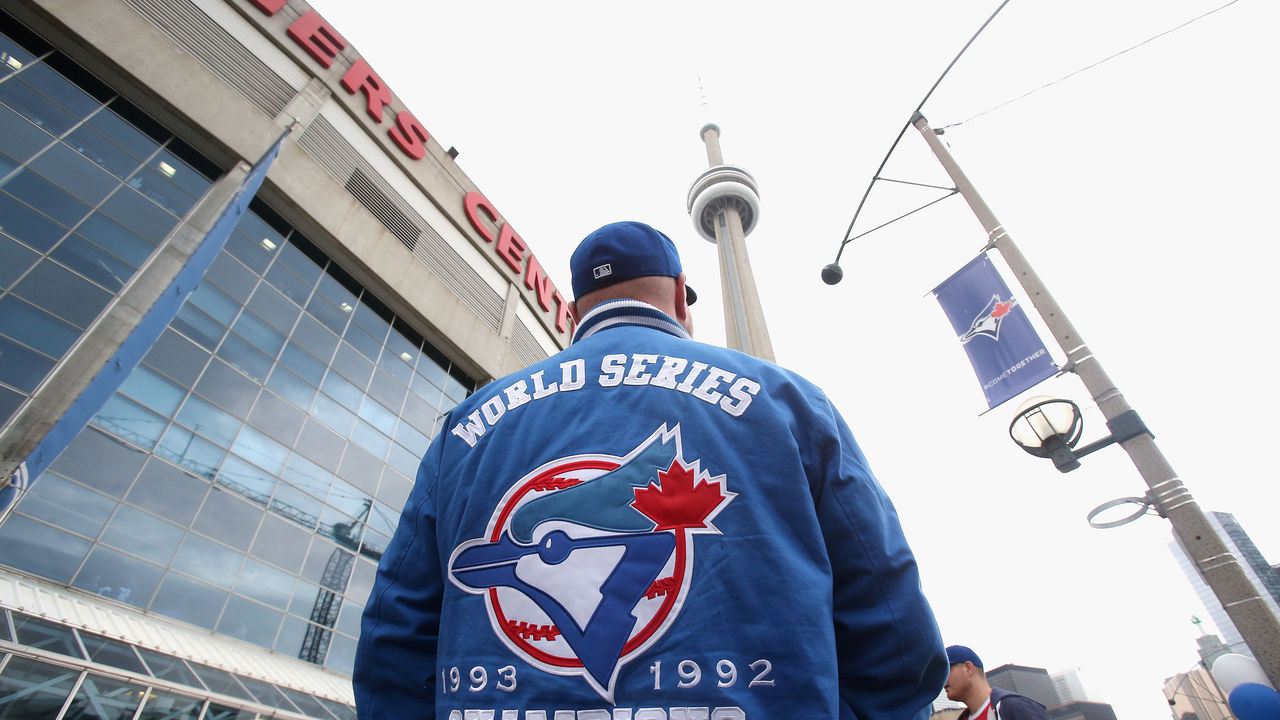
(587, 560)
(1006, 353)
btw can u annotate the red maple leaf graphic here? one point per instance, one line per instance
(678, 503)
(1002, 309)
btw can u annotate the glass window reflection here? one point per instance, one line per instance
(102, 698)
(34, 689)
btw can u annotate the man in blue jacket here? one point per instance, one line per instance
(644, 527)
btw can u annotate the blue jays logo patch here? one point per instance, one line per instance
(989, 319)
(587, 560)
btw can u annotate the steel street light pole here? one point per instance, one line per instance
(1219, 568)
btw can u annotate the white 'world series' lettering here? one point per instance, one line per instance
(728, 391)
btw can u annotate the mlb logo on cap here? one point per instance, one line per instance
(603, 271)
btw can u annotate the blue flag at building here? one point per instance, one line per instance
(1005, 351)
(140, 340)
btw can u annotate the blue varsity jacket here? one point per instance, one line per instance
(644, 527)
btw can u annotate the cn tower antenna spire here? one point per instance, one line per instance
(724, 204)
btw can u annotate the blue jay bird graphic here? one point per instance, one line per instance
(602, 504)
(988, 321)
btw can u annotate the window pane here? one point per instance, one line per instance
(259, 334)
(277, 418)
(265, 584)
(63, 293)
(35, 328)
(208, 561)
(260, 450)
(106, 651)
(209, 421)
(93, 262)
(102, 698)
(315, 338)
(95, 146)
(180, 174)
(46, 197)
(187, 600)
(74, 173)
(192, 452)
(31, 227)
(320, 445)
(36, 107)
(15, 259)
(131, 422)
(146, 219)
(228, 388)
(54, 86)
(40, 549)
(245, 357)
(227, 518)
(167, 667)
(126, 136)
(250, 621)
(163, 705)
(143, 534)
(68, 505)
(200, 328)
(19, 139)
(308, 477)
(291, 387)
(33, 689)
(177, 357)
(223, 712)
(101, 461)
(246, 480)
(20, 367)
(291, 285)
(152, 390)
(231, 276)
(281, 543)
(45, 635)
(219, 681)
(168, 492)
(119, 577)
(156, 186)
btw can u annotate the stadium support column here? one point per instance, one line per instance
(724, 204)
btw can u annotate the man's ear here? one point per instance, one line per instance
(681, 299)
(573, 311)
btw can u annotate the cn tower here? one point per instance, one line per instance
(724, 204)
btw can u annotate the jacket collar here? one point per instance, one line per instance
(615, 313)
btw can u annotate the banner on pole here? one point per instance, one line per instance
(140, 340)
(1005, 351)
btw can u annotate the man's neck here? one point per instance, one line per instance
(977, 697)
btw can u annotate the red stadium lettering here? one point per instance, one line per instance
(362, 77)
(317, 37)
(409, 135)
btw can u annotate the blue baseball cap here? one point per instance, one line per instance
(622, 251)
(957, 654)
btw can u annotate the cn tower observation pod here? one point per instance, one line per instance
(717, 188)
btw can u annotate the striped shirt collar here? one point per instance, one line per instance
(626, 312)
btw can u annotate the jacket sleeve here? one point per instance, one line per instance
(892, 664)
(395, 664)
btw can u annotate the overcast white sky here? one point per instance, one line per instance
(1143, 192)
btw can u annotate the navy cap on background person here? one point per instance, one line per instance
(622, 251)
(957, 654)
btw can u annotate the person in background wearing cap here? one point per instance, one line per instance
(967, 683)
(644, 527)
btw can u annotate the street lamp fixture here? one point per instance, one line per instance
(1051, 427)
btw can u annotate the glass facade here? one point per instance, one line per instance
(81, 675)
(89, 187)
(247, 476)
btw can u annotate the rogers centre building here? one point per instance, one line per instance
(204, 547)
